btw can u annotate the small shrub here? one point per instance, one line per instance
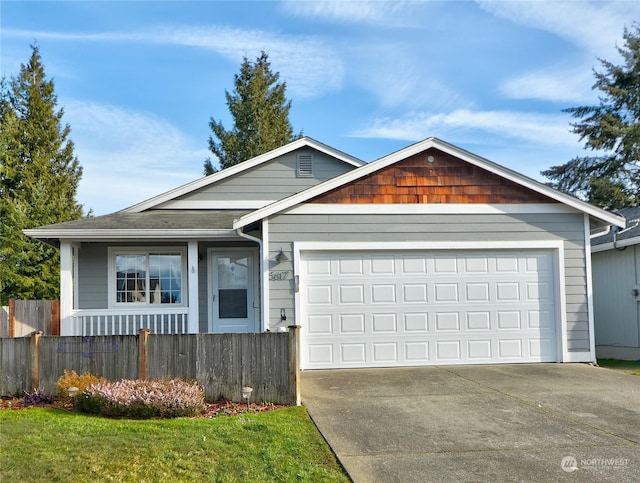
(36, 398)
(163, 398)
(72, 379)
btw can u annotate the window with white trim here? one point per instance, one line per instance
(145, 277)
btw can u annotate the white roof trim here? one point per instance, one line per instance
(101, 234)
(238, 168)
(214, 205)
(620, 244)
(428, 208)
(419, 147)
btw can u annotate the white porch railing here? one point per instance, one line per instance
(129, 322)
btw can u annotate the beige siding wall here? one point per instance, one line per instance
(286, 229)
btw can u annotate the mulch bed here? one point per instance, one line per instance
(218, 408)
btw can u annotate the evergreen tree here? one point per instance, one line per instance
(612, 178)
(39, 176)
(260, 112)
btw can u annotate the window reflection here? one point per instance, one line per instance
(154, 278)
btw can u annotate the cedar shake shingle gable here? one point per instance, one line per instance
(445, 179)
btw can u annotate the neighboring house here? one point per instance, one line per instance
(616, 289)
(431, 255)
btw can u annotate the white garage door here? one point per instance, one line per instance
(382, 309)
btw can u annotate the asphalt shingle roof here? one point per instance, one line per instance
(631, 213)
(156, 220)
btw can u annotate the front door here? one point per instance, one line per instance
(232, 294)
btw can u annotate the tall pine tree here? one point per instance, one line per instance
(260, 114)
(39, 175)
(610, 179)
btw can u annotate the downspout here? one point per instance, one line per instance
(242, 234)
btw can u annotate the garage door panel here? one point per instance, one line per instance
(385, 352)
(479, 350)
(382, 323)
(350, 266)
(448, 350)
(447, 321)
(478, 321)
(476, 264)
(477, 292)
(353, 353)
(417, 351)
(351, 294)
(509, 320)
(319, 294)
(445, 264)
(445, 292)
(414, 293)
(416, 322)
(320, 324)
(383, 309)
(352, 323)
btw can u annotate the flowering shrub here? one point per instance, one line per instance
(72, 379)
(36, 398)
(163, 398)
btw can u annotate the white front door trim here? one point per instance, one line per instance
(555, 246)
(253, 295)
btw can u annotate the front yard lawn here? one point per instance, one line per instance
(54, 445)
(630, 367)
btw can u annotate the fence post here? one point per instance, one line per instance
(294, 364)
(12, 317)
(143, 360)
(55, 317)
(35, 359)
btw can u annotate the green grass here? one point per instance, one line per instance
(630, 367)
(54, 445)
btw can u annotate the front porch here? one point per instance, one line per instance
(129, 322)
(169, 287)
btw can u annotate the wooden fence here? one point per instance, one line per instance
(27, 316)
(222, 363)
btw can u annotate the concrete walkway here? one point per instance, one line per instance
(527, 422)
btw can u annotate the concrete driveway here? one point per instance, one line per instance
(525, 422)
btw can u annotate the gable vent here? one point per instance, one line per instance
(305, 165)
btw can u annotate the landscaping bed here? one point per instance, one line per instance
(213, 409)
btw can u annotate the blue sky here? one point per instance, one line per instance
(139, 81)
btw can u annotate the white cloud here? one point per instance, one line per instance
(467, 125)
(128, 156)
(593, 25)
(306, 63)
(367, 12)
(552, 84)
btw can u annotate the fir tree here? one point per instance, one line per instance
(260, 112)
(610, 179)
(39, 176)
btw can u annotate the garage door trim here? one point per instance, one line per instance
(556, 247)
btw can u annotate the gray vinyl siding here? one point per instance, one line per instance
(272, 180)
(285, 229)
(616, 311)
(92, 276)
